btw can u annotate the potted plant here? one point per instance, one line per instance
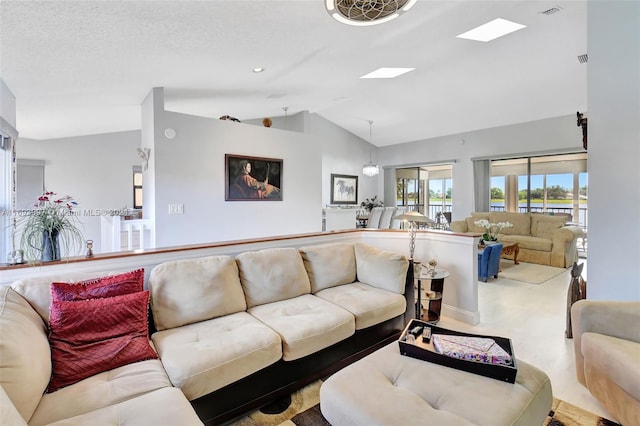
(491, 230)
(369, 204)
(48, 226)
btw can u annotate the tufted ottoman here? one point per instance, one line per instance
(386, 388)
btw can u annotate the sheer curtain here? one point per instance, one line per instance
(389, 187)
(482, 185)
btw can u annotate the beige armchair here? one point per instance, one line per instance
(607, 351)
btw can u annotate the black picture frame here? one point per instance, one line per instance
(263, 182)
(344, 189)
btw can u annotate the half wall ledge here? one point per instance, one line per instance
(454, 252)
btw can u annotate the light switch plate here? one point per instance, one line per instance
(176, 208)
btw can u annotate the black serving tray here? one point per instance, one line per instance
(426, 352)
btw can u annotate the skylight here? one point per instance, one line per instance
(387, 72)
(492, 30)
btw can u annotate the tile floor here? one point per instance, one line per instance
(533, 316)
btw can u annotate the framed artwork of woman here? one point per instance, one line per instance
(252, 178)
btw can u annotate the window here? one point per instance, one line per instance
(137, 187)
(413, 183)
(553, 184)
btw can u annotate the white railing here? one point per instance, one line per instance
(123, 235)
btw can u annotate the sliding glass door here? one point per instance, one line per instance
(554, 184)
(426, 189)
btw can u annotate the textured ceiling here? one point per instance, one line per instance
(84, 67)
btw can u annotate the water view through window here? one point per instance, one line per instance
(555, 184)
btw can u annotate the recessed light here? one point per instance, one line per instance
(492, 30)
(387, 72)
(258, 70)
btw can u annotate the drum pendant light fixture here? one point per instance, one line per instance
(370, 169)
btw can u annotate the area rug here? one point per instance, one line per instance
(305, 411)
(531, 273)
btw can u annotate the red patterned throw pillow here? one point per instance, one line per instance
(112, 285)
(88, 337)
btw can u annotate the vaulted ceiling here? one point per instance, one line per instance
(84, 67)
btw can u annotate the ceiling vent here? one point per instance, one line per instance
(551, 11)
(583, 58)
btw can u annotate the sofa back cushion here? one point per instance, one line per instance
(382, 269)
(192, 290)
(471, 222)
(544, 225)
(25, 358)
(37, 290)
(521, 222)
(271, 275)
(329, 265)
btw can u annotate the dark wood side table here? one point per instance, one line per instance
(434, 303)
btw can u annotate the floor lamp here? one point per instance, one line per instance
(413, 218)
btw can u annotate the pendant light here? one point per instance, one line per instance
(370, 169)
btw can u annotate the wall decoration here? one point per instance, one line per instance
(582, 122)
(344, 189)
(252, 178)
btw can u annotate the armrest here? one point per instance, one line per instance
(458, 226)
(567, 234)
(612, 318)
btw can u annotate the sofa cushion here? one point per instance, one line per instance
(472, 227)
(305, 324)
(527, 242)
(369, 305)
(166, 406)
(471, 222)
(543, 225)
(101, 390)
(192, 290)
(521, 222)
(111, 285)
(382, 269)
(91, 336)
(615, 357)
(9, 414)
(37, 290)
(205, 356)
(25, 364)
(271, 275)
(329, 265)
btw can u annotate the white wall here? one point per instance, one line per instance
(8, 126)
(342, 153)
(614, 150)
(550, 135)
(190, 170)
(96, 170)
(7, 104)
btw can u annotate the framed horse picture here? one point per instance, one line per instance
(344, 189)
(252, 178)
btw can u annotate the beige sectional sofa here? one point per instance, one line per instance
(232, 333)
(541, 238)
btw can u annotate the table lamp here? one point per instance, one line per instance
(413, 218)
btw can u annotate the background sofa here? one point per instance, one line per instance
(232, 333)
(542, 238)
(606, 340)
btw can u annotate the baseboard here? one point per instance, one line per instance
(458, 314)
